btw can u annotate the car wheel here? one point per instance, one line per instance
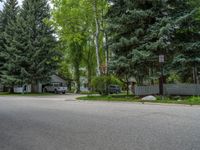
(64, 92)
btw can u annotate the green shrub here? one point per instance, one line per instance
(89, 92)
(100, 83)
(194, 100)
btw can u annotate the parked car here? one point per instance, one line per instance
(56, 88)
(114, 89)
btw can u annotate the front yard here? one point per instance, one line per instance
(123, 98)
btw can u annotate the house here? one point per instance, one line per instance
(58, 79)
(27, 88)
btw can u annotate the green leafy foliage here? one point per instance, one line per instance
(75, 23)
(100, 83)
(70, 16)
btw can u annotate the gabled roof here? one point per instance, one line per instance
(56, 78)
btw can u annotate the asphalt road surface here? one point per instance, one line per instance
(60, 123)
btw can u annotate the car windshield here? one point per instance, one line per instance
(113, 86)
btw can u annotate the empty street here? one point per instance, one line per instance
(62, 123)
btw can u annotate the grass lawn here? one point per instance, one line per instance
(25, 94)
(124, 98)
(89, 93)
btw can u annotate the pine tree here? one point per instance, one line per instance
(176, 35)
(186, 60)
(129, 24)
(1, 41)
(141, 30)
(9, 69)
(38, 41)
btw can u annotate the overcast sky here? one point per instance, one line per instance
(20, 3)
(1, 4)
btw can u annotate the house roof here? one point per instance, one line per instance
(56, 78)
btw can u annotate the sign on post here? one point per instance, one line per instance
(161, 58)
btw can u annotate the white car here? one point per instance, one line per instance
(56, 88)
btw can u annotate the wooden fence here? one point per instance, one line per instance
(147, 90)
(169, 89)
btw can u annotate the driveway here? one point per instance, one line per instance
(62, 123)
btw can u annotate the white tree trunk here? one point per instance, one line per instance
(106, 51)
(96, 37)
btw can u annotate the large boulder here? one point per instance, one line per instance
(149, 98)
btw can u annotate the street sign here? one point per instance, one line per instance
(161, 58)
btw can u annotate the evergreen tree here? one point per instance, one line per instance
(129, 24)
(176, 35)
(1, 41)
(186, 61)
(9, 69)
(38, 43)
(141, 30)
